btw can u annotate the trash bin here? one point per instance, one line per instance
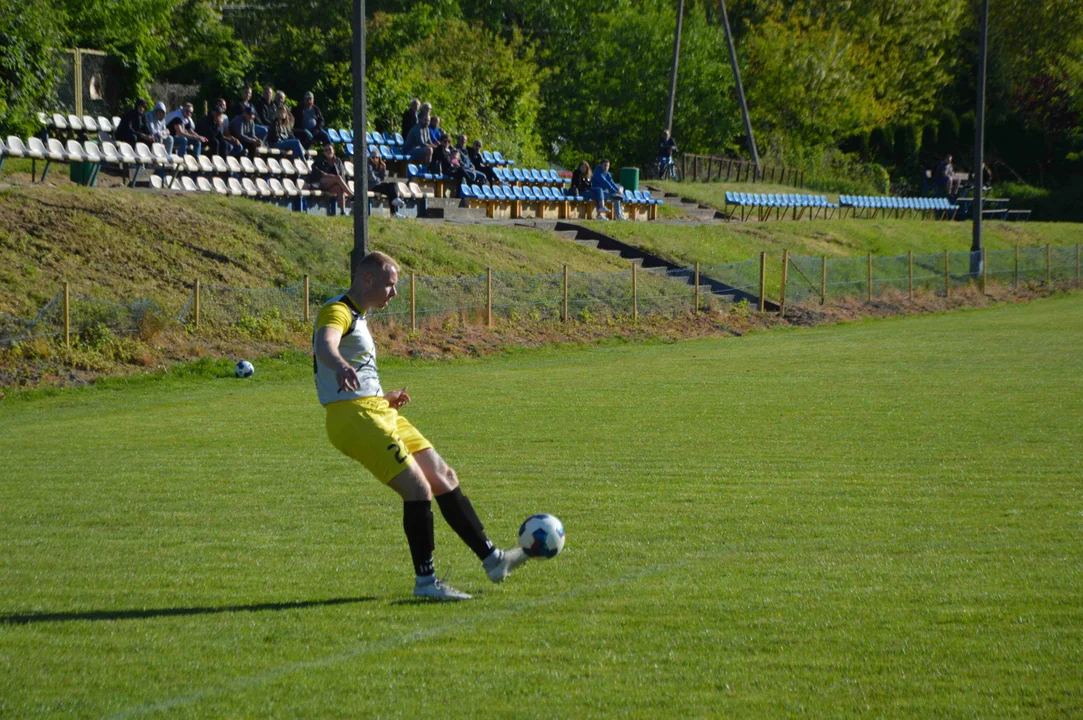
(629, 178)
(82, 172)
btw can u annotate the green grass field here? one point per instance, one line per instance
(880, 518)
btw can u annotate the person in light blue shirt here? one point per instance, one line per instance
(601, 182)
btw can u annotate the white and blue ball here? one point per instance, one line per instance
(244, 369)
(541, 536)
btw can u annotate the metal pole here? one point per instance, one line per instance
(979, 143)
(360, 122)
(870, 277)
(740, 88)
(676, 58)
(1015, 275)
(196, 303)
(635, 292)
(1048, 266)
(947, 275)
(909, 274)
(413, 302)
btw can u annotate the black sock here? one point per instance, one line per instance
(417, 522)
(460, 515)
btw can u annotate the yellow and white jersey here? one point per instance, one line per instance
(356, 348)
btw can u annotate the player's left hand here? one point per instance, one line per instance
(397, 398)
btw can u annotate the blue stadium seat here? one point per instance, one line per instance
(333, 134)
(499, 158)
(488, 157)
(346, 135)
(398, 140)
(385, 153)
(537, 176)
(488, 192)
(466, 193)
(349, 149)
(518, 174)
(389, 139)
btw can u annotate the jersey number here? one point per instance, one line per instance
(400, 453)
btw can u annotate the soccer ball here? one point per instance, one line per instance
(244, 369)
(541, 536)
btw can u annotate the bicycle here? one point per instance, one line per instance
(667, 170)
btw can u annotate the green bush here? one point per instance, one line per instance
(29, 32)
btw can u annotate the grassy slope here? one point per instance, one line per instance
(120, 244)
(827, 522)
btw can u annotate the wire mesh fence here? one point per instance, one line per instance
(819, 279)
(554, 296)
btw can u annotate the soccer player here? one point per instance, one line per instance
(365, 424)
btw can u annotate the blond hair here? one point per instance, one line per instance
(377, 260)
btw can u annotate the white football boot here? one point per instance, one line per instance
(500, 564)
(436, 589)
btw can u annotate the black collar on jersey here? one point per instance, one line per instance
(348, 301)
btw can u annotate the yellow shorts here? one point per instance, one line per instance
(373, 433)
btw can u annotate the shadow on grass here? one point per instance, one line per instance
(30, 618)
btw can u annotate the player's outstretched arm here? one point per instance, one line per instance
(327, 339)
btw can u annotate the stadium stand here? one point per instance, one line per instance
(270, 176)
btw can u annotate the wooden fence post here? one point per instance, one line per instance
(197, 304)
(697, 288)
(695, 167)
(488, 297)
(729, 169)
(306, 314)
(413, 302)
(947, 275)
(984, 275)
(910, 275)
(67, 316)
(763, 278)
(635, 292)
(564, 306)
(1048, 266)
(1015, 276)
(782, 287)
(823, 280)
(870, 277)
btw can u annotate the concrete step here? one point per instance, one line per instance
(588, 243)
(571, 235)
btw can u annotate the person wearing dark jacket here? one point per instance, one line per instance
(243, 128)
(607, 189)
(377, 179)
(329, 174)
(478, 161)
(280, 133)
(265, 108)
(133, 126)
(409, 118)
(581, 180)
(308, 123)
(210, 127)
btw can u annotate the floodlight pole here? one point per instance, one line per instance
(740, 88)
(360, 147)
(979, 145)
(676, 59)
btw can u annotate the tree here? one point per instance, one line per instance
(29, 36)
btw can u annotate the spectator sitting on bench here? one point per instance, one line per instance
(478, 161)
(280, 134)
(158, 131)
(581, 181)
(210, 128)
(377, 180)
(183, 128)
(308, 123)
(133, 126)
(233, 145)
(435, 131)
(245, 103)
(419, 145)
(409, 118)
(243, 128)
(603, 184)
(265, 110)
(942, 177)
(329, 174)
